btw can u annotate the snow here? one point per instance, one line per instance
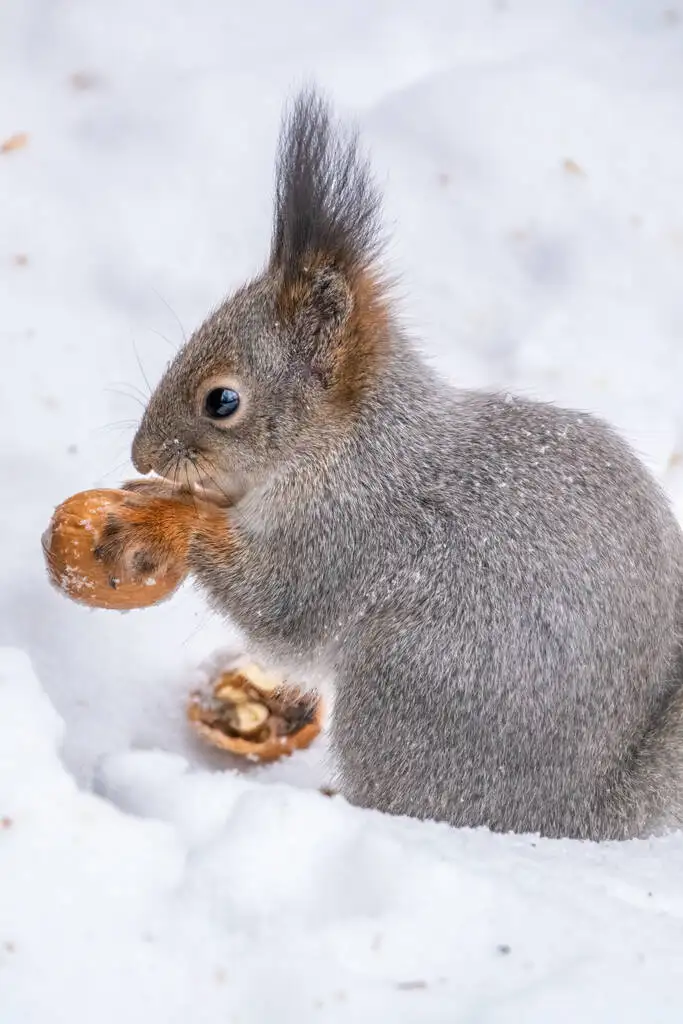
(211, 897)
(531, 157)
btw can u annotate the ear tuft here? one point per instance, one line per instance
(327, 207)
(325, 248)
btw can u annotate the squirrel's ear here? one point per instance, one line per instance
(330, 301)
(318, 305)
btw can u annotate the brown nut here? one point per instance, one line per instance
(265, 682)
(248, 718)
(228, 693)
(278, 724)
(68, 546)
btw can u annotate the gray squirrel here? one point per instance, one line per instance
(494, 584)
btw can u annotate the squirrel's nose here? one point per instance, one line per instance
(139, 456)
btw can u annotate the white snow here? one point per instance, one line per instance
(532, 159)
(213, 897)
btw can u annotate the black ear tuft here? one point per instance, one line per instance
(326, 204)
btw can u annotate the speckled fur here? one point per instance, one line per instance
(494, 584)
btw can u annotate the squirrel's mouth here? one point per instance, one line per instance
(209, 492)
(186, 477)
(201, 488)
(193, 473)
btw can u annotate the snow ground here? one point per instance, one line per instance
(532, 160)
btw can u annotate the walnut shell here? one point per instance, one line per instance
(68, 545)
(215, 717)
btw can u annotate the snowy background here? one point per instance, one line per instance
(532, 159)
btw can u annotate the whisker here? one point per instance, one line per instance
(116, 425)
(209, 473)
(141, 367)
(205, 466)
(202, 625)
(110, 473)
(129, 384)
(172, 312)
(189, 487)
(125, 394)
(164, 338)
(176, 470)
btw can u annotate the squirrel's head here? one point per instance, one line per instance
(293, 354)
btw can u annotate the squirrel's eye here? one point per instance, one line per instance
(221, 403)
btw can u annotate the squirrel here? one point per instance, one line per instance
(494, 584)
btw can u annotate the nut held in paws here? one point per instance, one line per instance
(69, 543)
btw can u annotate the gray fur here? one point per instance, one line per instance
(494, 584)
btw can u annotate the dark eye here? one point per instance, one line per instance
(221, 403)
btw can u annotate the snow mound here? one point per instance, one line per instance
(210, 897)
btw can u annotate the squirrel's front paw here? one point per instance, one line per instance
(143, 537)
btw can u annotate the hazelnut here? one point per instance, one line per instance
(265, 682)
(247, 719)
(233, 717)
(228, 693)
